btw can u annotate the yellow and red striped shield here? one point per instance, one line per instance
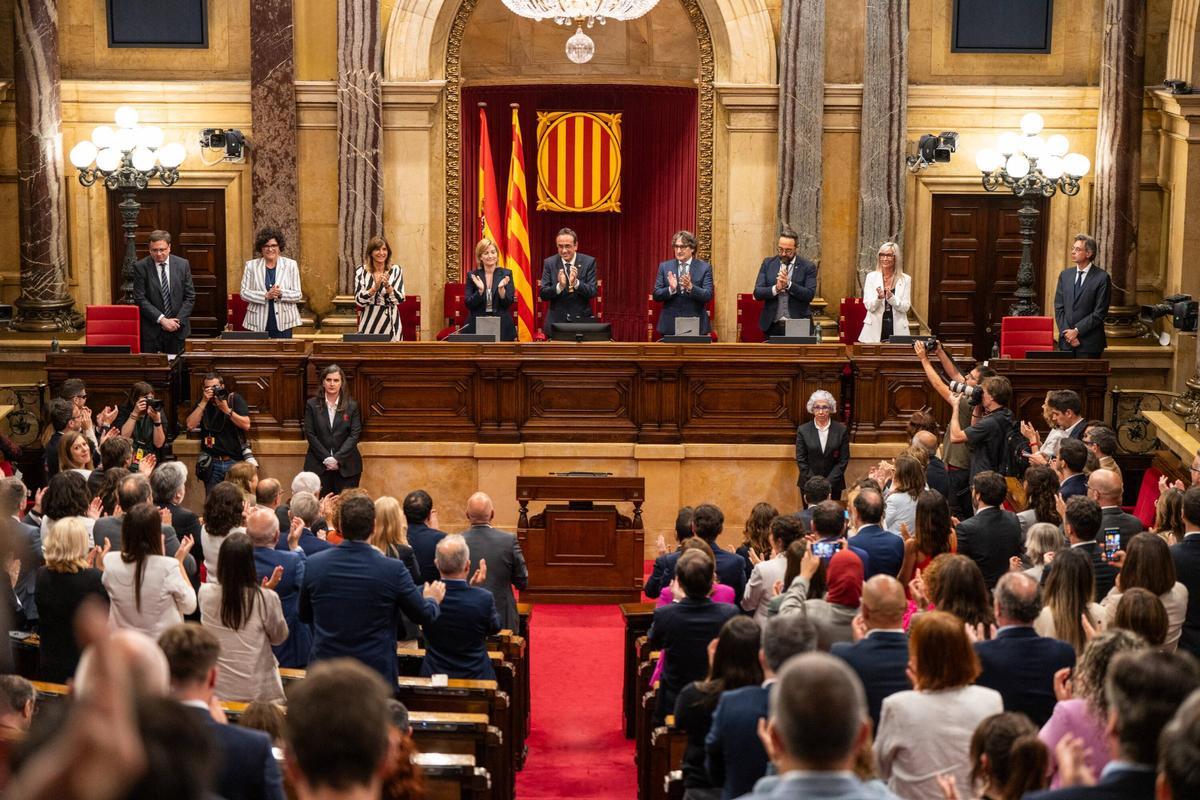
(579, 161)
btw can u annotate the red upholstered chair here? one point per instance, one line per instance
(235, 313)
(1147, 497)
(851, 316)
(454, 306)
(653, 310)
(542, 307)
(1021, 335)
(410, 318)
(748, 312)
(114, 325)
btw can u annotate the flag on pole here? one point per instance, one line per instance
(489, 199)
(516, 244)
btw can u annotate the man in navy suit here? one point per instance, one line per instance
(1018, 663)
(992, 535)
(684, 285)
(263, 529)
(166, 316)
(456, 642)
(1072, 459)
(306, 508)
(568, 281)
(353, 594)
(880, 659)
(707, 522)
(423, 533)
(247, 765)
(789, 277)
(1081, 524)
(1186, 556)
(734, 755)
(664, 561)
(884, 549)
(1081, 302)
(1144, 689)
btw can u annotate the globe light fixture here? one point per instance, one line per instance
(578, 13)
(580, 47)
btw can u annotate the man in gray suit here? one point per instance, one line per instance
(162, 289)
(498, 554)
(135, 489)
(28, 544)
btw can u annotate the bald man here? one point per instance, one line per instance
(879, 653)
(936, 475)
(142, 657)
(262, 526)
(1105, 487)
(501, 552)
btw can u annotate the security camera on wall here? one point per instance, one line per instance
(230, 144)
(933, 149)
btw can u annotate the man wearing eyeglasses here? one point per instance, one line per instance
(684, 285)
(786, 284)
(162, 289)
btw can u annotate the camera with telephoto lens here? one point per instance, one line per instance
(931, 344)
(220, 393)
(974, 394)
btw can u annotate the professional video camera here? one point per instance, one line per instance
(1183, 310)
(974, 394)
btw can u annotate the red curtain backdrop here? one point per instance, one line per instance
(658, 183)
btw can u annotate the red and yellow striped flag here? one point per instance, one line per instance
(489, 199)
(516, 244)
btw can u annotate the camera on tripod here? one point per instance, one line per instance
(1181, 308)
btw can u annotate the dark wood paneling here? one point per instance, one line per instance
(269, 375)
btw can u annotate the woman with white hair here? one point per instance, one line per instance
(823, 444)
(887, 294)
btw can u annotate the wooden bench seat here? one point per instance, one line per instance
(465, 734)
(453, 776)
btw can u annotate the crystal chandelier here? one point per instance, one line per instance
(580, 46)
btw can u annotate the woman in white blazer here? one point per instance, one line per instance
(887, 294)
(271, 288)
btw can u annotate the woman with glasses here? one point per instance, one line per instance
(823, 444)
(887, 294)
(271, 288)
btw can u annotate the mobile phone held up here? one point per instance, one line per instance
(825, 548)
(1112, 543)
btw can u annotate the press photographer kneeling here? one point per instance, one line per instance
(223, 419)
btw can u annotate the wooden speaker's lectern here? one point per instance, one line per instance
(582, 551)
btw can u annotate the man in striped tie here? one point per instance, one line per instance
(162, 289)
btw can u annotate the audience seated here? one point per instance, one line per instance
(783, 531)
(456, 642)
(352, 595)
(832, 611)
(926, 732)
(664, 561)
(1082, 709)
(68, 578)
(734, 755)
(1144, 689)
(423, 533)
(1179, 753)
(733, 663)
(1186, 555)
(1017, 662)
(1007, 759)
(246, 618)
(992, 536)
(247, 768)
(879, 654)
(306, 482)
(403, 778)
(1148, 565)
(224, 512)
(501, 553)
(139, 657)
(884, 549)
(263, 530)
(149, 591)
(269, 718)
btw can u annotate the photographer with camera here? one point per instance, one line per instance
(988, 435)
(956, 454)
(223, 419)
(142, 422)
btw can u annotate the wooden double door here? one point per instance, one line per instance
(195, 218)
(974, 256)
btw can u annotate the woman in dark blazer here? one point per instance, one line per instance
(490, 291)
(333, 425)
(830, 460)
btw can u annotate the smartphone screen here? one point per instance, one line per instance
(825, 548)
(1112, 542)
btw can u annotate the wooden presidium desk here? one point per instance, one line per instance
(579, 551)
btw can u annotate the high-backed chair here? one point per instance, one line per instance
(851, 315)
(542, 307)
(235, 316)
(114, 325)
(1021, 335)
(654, 311)
(410, 318)
(454, 306)
(748, 312)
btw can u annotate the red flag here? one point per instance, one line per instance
(489, 198)
(517, 241)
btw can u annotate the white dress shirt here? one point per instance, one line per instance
(822, 434)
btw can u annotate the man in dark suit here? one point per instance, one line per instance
(1081, 524)
(353, 594)
(456, 642)
(423, 533)
(1144, 690)
(823, 444)
(131, 491)
(162, 289)
(786, 276)
(1178, 777)
(501, 552)
(936, 474)
(734, 755)
(568, 281)
(1072, 459)
(64, 416)
(1186, 556)
(664, 562)
(1018, 663)
(27, 543)
(884, 549)
(1081, 302)
(684, 285)
(816, 489)
(306, 508)
(992, 536)
(707, 522)
(1105, 487)
(247, 765)
(263, 529)
(881, 657)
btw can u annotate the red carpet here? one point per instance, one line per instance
(576, 745)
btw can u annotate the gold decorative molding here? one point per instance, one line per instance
(704, 132)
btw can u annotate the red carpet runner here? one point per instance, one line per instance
(577, 748)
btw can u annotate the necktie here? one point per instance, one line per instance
(1078, 278)
(683, 268)
(166, 290)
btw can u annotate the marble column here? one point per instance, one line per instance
(273, 170)
(801, 121)
(884, 126)
(1118, 159)
(360, 133)
(45, 303)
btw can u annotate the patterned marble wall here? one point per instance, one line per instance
(273, 111)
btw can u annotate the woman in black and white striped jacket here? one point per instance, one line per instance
(271, 288)
(379, 290)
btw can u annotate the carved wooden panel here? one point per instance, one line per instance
(580, 555)
(270, 375)
(109, 377)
